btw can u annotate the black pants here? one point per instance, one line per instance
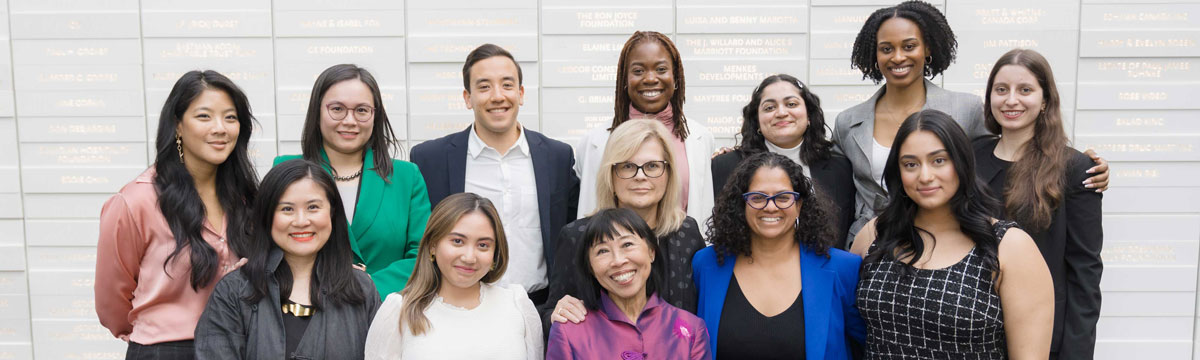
(173, 350)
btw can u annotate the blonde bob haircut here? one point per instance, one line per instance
(426, 278)
(623, 143)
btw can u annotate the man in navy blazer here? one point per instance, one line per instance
(527, 176)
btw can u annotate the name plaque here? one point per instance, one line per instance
(1136, 122)
(1140, 17)
(1139, 70)
(1133, 96)
(78, 77)
(736, 72)
(991, 16)
(570, 127)
(195, 23)
(75, 25)
(473, 22)
(1135, 227)
(76, 52)
(83, 154)
(75, 339)
(326, 23)
(454, 49)
(66, 206)
(62, 282)
(623, 20)
(79, 103)
(741, 18)
(63, 307)
(1179, 253)
(1149, 43)
(832, 45)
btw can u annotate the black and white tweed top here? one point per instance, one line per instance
(948, 313)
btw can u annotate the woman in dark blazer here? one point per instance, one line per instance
(348, 133)
(636, 174)
(784, 117)
(772, 275)
(298, 296)
(1040, 178)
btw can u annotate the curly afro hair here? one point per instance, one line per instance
(938, 38)
(728, 230)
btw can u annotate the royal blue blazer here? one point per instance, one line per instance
(829, 284)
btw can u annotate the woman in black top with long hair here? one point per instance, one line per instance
(784, 117)
(941, 278)
(298, 296)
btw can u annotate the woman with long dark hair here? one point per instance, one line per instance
(772, 275)
(168, 236)
(904, 46)
(298, 296)
(347, 132)
(650, 85)
(941, 278)
(784, 117)
(452, 297)
(1039, 178)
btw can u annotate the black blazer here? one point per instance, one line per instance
(443, 164)
(1071, 247)
(833, 177)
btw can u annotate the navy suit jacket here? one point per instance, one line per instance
(828, 283)
(443, 164)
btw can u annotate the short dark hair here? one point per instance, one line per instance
(935, 33)
(484, 52)
(382, 140)
(602, 226)
(815, 148)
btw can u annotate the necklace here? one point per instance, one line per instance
(347, 178)
(891, 114)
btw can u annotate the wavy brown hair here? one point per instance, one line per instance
(621, 100)
(622, 145)
(728, 230)
(426, 278)
(1034, 185)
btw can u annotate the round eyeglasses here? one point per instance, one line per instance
(652, 169)
(362, 113)
(783, 200)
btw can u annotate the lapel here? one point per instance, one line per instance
(544, 177)
(456, 161)
(715, 301)
(312, 343)
(369, 197)
(985, 164)
(818, 292)
(937, 98)
(866, 121)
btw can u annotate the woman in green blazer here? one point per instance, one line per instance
(347, 132)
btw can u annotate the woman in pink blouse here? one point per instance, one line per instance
(168, 236)
(619, 279)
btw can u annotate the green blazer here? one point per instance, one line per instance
(389, 220)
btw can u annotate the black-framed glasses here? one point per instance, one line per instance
(652, 169)
(362, 113)
(783, 200)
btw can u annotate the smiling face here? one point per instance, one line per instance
(209, 129)
(495, 94)
(782, 115)
(926, 171)
(900, 51)
(772, 222)
(348, 135)
(1016, 98)
(622, 264)
(302, 222)
(466, 254)
(651, 77)
(641, 191)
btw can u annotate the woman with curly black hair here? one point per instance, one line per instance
(904, 45)
(771, 275)
(784, 117)
(942, 278)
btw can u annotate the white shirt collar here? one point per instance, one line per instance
(475, 145)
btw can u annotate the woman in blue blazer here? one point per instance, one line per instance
(771, 275)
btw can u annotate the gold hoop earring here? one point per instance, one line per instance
(179, 147)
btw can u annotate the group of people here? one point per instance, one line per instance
(927, 224)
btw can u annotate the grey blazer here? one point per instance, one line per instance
(852, 137)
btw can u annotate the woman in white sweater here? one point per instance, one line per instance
(650, 86)
(450, 309)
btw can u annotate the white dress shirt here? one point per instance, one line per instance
(508, 181)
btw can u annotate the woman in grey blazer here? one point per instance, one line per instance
(905, 45)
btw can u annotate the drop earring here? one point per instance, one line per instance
(179, 147)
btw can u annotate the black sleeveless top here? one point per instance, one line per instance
(748, 334)
(948, 313)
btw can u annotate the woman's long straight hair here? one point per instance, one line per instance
(333, 282)
(896, 235)
(623, 143)
(178, 199)
(1034, 186)
(426, 278)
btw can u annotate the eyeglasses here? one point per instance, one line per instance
(362, 113)
(652, 169)
(782, 200)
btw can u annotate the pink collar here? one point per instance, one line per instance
(666, 116)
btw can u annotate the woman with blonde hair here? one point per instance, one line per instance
(639, 175)
(450, 297)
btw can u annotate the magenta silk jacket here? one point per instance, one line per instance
(662, 332)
